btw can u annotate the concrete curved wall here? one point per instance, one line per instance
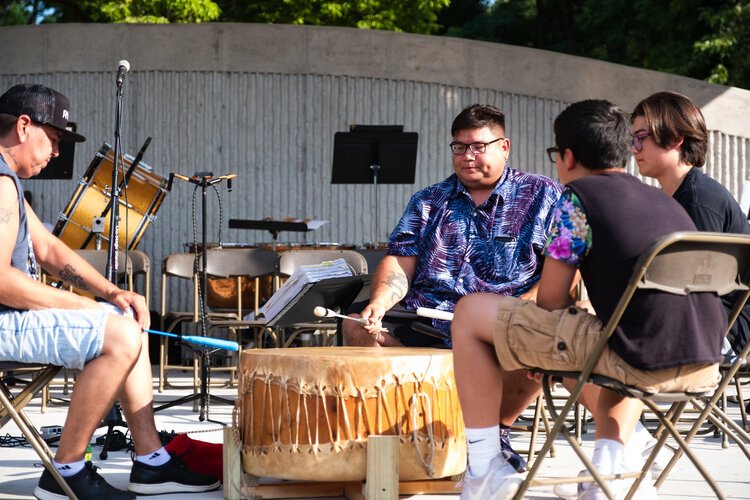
(264, 101)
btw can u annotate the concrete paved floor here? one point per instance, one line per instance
(20, 468)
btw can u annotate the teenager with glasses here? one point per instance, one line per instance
(480, 230)
(670, 142)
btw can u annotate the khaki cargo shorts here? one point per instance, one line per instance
(527, 336)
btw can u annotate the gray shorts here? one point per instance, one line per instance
(60, 337)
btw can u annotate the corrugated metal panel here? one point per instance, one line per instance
(276, 132)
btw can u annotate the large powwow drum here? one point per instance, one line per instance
(306, 413)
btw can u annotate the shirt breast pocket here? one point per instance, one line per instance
(504, 255)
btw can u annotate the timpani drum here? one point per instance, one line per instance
(144, 194)
(306, 413)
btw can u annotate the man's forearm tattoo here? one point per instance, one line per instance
(5, 215)
(398, 285)
(71, 276)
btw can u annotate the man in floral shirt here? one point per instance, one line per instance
(480, 230)
(604, 220)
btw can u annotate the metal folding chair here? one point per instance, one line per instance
(141, 267)
(291, 260)
(178, 268)
(239, 263)
(679, 263)
(12, 405)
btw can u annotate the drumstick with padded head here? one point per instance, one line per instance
(323, 312)
(434, 313)
(206, 341)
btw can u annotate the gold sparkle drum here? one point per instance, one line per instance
(144, 194)
(306, 413)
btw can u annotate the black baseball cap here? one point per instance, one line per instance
(42, 104)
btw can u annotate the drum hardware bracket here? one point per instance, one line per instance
(97, 227)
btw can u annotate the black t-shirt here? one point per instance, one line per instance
(710, 205)
(658, 329)
(714, 209)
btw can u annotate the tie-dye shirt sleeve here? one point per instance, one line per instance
(569, 239)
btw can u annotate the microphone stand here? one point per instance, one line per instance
(114, 417)
(204, 396)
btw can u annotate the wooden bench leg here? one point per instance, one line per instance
(232, 466)
(382, 468)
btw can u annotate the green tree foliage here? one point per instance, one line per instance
(699, 38)
(13, 13)
(136, 11)
(726, 47)
(414, 16)
(460, 12)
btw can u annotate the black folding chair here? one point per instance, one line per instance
(679, 263)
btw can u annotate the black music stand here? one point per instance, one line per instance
(374, 154)
(332, 293)
(272, 226)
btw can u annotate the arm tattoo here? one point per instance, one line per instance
(71, 276)
(398, 285)
(5, 215)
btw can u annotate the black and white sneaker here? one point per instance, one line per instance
(172, 477)
(86, 484)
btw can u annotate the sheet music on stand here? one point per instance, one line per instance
(301, 280)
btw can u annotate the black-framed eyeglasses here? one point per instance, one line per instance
(478, 148)
(636, 142)
(551, 152)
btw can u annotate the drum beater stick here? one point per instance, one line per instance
(322, 312)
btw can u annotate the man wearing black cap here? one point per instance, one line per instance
(42, 324)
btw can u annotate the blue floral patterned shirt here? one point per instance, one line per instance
(463, 248)
(570, 236)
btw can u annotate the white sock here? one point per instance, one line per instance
(483, 445)
(608, 456)
(68, 470)
(156, 458)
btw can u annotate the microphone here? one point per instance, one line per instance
(122, 67)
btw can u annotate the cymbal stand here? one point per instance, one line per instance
(204, 397)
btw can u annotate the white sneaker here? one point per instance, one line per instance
(662, 458)
(500, 483)
(619, 487)
(570, 490)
